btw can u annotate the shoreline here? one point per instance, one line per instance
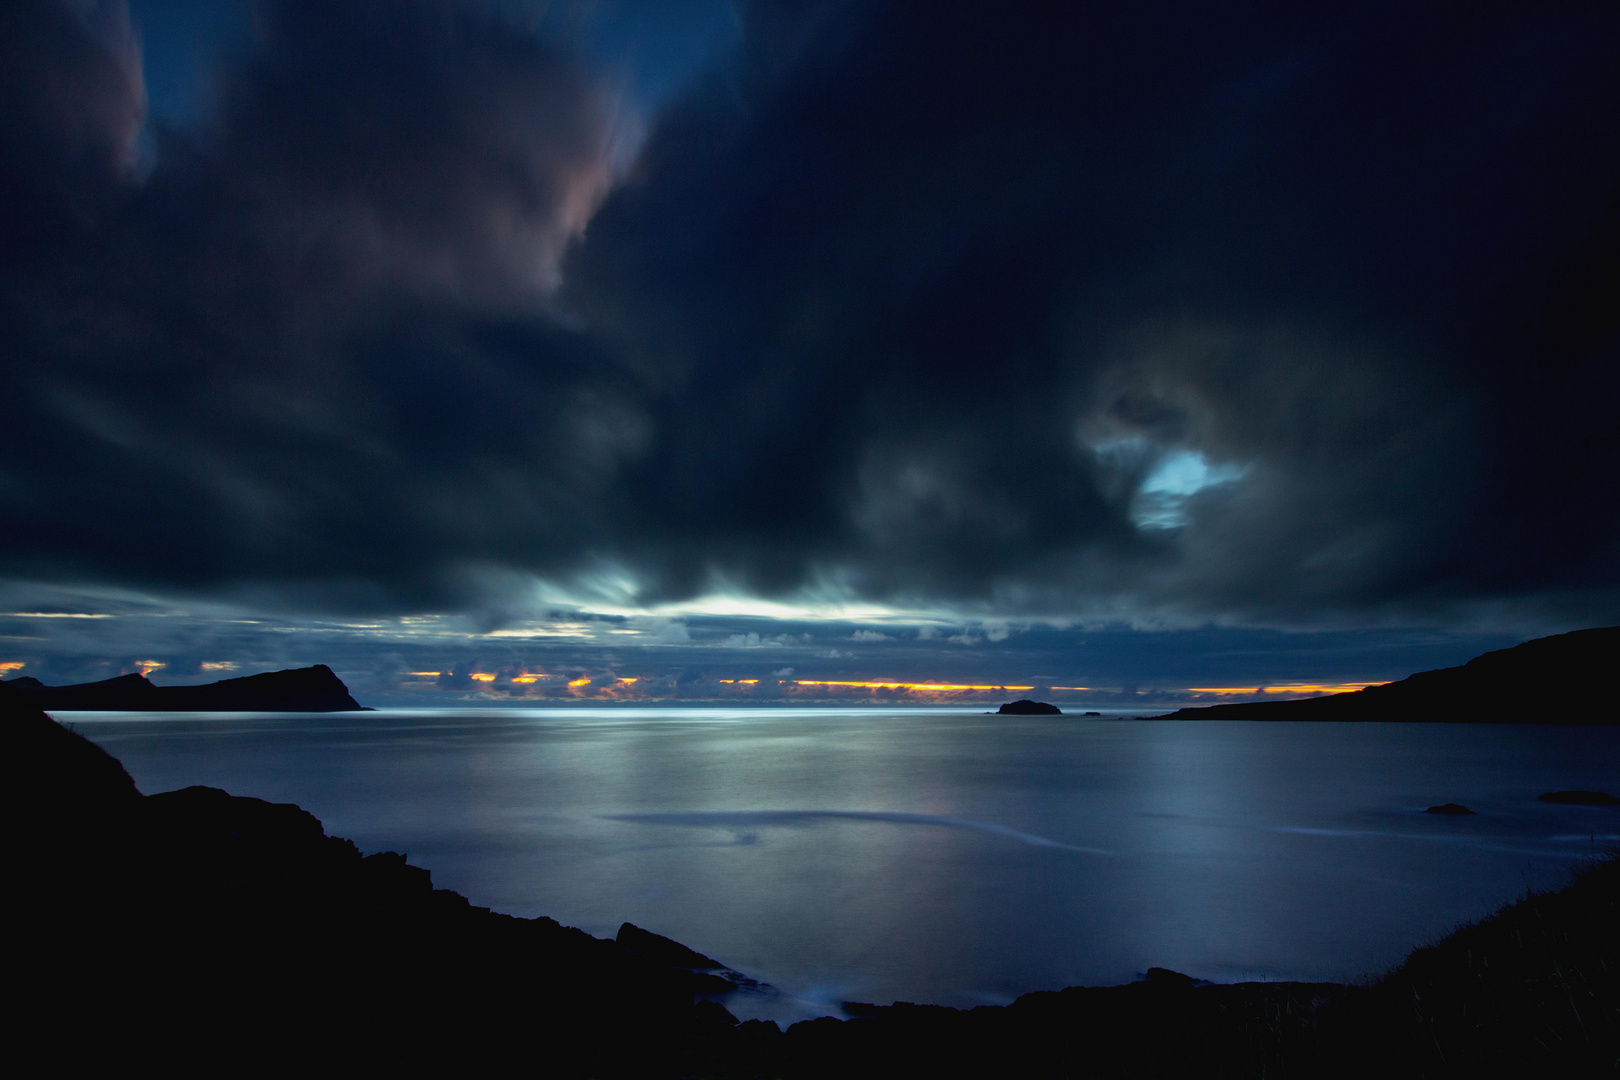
(242, 919)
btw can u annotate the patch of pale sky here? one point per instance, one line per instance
(1187, 472)
(1161, 501)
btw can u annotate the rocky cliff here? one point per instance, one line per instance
(311, 689)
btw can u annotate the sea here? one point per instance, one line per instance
(947, 856)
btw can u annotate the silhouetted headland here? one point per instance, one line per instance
(1580, 798)
(310, 689)
(197, 932)
(1026, 707)
(1551, 680)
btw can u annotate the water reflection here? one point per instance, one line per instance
(945, 856)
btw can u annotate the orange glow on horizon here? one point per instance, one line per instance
(12, 665)
(626, 684)
(146, 667)
(1302, 688)
(944, 687)
(884, 685)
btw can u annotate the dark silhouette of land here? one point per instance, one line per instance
(1026, 707)
(1551, 680)
(311, 689)
(1580, 798)
(194, 931)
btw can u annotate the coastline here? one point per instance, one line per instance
(1543, 681)
(242, 933)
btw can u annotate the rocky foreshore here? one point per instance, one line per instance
(196, 931)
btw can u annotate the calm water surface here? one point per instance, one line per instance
(946, 857)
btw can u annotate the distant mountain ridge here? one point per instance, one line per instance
(1551, 680)
(311, 689)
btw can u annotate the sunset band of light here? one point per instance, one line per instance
(886, 685)
(1337, 688)
(522, 680)
(585, 680)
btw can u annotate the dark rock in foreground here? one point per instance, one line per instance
(1580, 798)
(311, 689)
(194, 932)
(666, 951)
(1448, 808)
(1173, 978)
(1550, 680)
(1532, 991)
(1026, 707)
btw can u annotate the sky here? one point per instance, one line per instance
(510, 351)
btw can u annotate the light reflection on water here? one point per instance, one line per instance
(949, 857)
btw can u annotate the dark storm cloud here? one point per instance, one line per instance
(70, 76)
(964, 282)
(417, 145)
(1138, 311)
(313, 345)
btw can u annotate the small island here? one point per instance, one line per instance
(1026, 707)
